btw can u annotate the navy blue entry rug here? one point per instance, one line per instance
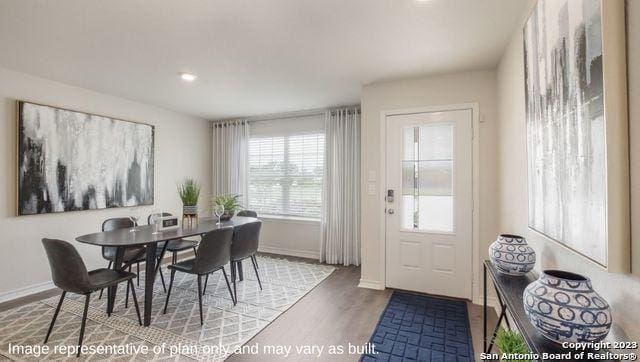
(421, 328)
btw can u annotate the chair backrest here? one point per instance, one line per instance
(245, 240)
(157, 214)
(114, 224)
(248, 213)
(67, 268)
(214, 250)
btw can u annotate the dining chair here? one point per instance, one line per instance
(174, 246)
(70, 274)
(243, 246)
(248, 213)
(132, 255)
(214, 253)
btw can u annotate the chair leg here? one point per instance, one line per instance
(195, 251)
(233, 279)
(102, 290)
(200, 297)
(135, 300)
(166, 302)
(162, 279)
(255, 269)
(126, 299)
(206, 281)
(138, 273)
(84, 322)
(108, 298)
(55, 315)
(174, 258)
(226, 279)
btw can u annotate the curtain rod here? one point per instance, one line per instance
(287, 115)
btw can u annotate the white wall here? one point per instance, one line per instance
(290, 237)
(622, 291)
(470, 87)
(182, 148)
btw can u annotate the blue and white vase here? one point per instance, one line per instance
(511, 255)
(564, 307)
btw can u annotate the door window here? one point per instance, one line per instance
(427, 178)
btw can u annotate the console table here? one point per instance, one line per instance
(509, 290)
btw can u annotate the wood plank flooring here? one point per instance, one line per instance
(336, 312)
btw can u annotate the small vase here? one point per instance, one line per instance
(564, 308)
(511, 255)
(190, 210)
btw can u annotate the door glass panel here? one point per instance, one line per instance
(427, 178)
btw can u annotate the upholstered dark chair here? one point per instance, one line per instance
(132, 255)
(174, 246)
(245, 245)
(248, 213)
(213, 254)
(70, 274)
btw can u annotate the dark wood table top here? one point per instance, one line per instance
(511, 289)
(145, 234)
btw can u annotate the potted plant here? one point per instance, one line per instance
(511, 344)
(231, 204)
(189, 192)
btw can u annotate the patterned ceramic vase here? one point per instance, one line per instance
(511, 255)
(564, 308)
(190, 210)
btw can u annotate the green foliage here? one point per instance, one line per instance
(189, 192)
(511, 342)
(231, 203)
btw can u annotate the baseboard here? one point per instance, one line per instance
(290, 252)
(371, 284)
(492, 302)
(25, 291)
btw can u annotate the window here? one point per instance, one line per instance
(286, 169)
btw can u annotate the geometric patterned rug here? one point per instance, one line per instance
(421, 328)
(226, 326)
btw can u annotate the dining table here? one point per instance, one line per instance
(149, 237)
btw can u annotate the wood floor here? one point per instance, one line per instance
(336, 312)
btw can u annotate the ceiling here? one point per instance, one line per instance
(251, 56)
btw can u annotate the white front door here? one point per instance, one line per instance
(429, 202)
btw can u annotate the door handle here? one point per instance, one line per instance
(390, 211)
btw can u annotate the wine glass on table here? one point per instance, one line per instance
(218, 210)
(153, 220)
(134, 216)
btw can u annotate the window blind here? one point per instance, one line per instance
(285, 171)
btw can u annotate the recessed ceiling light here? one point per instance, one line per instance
(188, 77)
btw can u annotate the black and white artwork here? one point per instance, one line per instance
(71, 161)
(565, 125)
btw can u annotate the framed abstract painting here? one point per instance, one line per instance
(577, 137)
(72, 161)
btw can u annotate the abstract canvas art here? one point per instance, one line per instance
(566, 141)
(69, 161)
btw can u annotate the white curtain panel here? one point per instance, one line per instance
(340, 239)
(231, 158)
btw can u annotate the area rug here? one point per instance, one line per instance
(421, 328)
(175, 336)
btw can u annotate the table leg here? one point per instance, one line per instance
(117, 265)
(484, 306)
(150, 277)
